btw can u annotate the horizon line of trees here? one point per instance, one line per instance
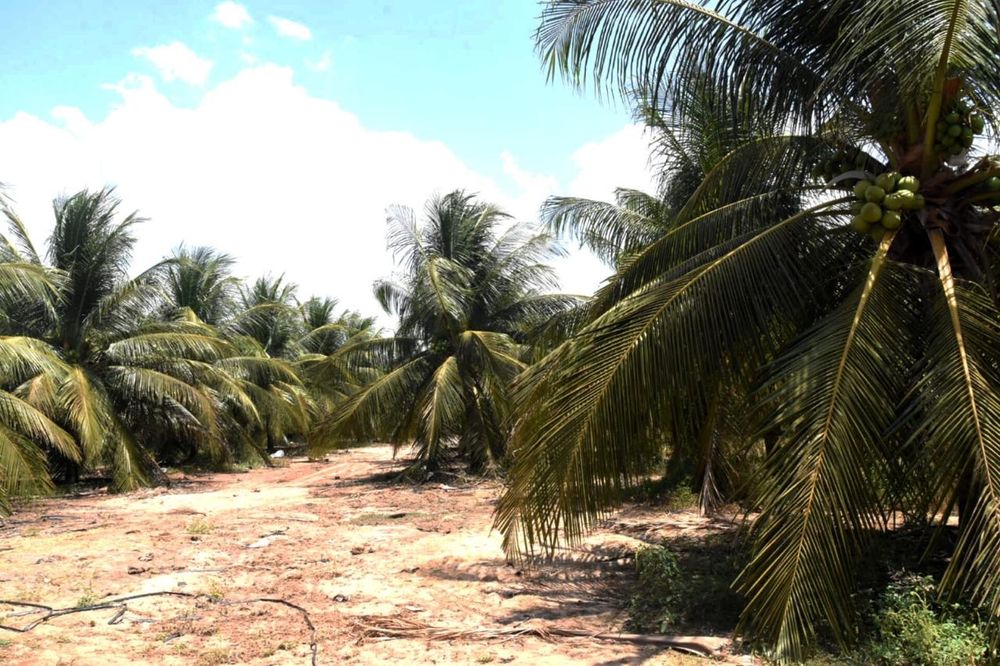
(181, 363)
(184, 363)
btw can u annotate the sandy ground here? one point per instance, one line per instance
(328, 536)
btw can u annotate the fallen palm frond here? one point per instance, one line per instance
(395, 627)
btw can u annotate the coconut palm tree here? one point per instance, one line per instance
(862, 326)
(27, 435)
(270, 315)
(327, 357)
(200, 280)
(468, 299)
(124, 382)
(619, 232)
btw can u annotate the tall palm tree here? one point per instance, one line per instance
(124, 382)
(868, 359)
(469, 297)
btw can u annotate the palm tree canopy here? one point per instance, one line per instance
(200, 279)
(123, 380)
(469, 297)
(850, 348)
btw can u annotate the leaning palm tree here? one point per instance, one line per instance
(468, 299)
(862, 325)
(124, 383)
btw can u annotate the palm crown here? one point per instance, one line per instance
(122, 381)
(468, 300)
(867, 360)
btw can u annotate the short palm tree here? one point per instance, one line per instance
(200, 280)
(269, 314)
(327, 352)
(123, 382)
(469, 298)
(27, 434)
(862, 326)
(266, 400)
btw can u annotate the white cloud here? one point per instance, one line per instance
(323, 64)
(232, 15)
(291, 29)
(177, 61)
(285, 181)
(619, 160)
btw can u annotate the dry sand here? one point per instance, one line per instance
(331, 537)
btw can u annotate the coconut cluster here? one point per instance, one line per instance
(882, 203)
(845, 159)
(958, 128)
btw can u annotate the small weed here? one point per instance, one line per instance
(29, 532)
(485, 659)
(682, 498)
(5, 643)
(216, 590)
(88, 598)
(215, 657)
(687, 586)
(200, 526)
(652, 606)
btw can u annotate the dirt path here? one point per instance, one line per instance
(327, 536)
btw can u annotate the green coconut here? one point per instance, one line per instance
(955, 130)
(887, 181)
(894, 201)
(861, 188)
(892, 220)
(993, 184)
(953, 118)
(978, 123)
(871, 212)
(875, 194)
(908, 183)
(860, 224)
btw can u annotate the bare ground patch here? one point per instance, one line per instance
(332, 537)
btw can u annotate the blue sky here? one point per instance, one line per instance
(120, 87)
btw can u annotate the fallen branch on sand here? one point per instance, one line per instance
(375, 626)
(48, 612)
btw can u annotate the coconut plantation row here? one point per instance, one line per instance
(801, 334)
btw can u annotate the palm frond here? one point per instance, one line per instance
(830, 397)
(586, 411)
(961, 425)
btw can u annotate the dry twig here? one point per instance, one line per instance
(49, 612)
(373, 626)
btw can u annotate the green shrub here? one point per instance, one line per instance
(652, 607)
(913, 629)
(682, 497)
